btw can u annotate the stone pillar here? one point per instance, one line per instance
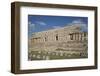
(73, 36)
(76, 36)
(80, 36)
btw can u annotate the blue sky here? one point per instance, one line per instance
(37, 23)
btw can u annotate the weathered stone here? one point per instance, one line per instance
(63, 42)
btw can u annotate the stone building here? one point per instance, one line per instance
(68, 39)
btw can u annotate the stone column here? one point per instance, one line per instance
(81, 36)
(77, 36)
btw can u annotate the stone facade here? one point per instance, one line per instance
(69, 39)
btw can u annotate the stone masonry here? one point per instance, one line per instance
(68, 39)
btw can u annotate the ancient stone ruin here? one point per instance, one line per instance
(68, 42)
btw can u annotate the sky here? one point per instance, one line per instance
(37, 23)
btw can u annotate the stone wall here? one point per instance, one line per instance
(65, 34)
(67, 39)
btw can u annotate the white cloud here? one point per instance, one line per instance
(31, 24)
(77, 21)
(55, 27)
(41, 23)
(80, 23)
